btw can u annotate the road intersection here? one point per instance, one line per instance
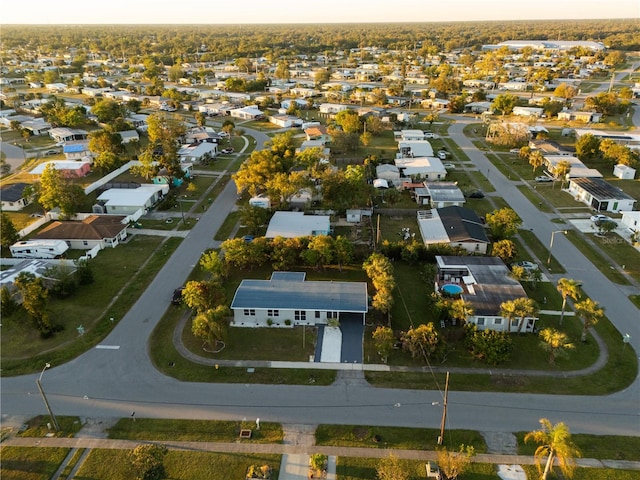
(110, 382)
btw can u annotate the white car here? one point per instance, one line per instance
(528, 266)
(442, 155)
(544, 179)
(448, 165)
(430, 135)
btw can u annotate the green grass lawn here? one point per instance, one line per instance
(540, 251)
(227, 226)
(194, 430)
(603, 447)
(600, 262)
(91, 306)
(28, 463)
(115, 465)
(38, 426)
(396, 438)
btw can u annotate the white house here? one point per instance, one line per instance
(196, 153)
(287, 299)
(455, 226)
(130, 201)
(528, 111)
(129, 136)
(285, 121)
(415, 148)
(297, 224)
(332, 108)
(427, 168)
(100, 231)
(631, 220)
(578, 169)
(251, 112)
(485, 283)
(600, 195)
(12, 197)
(440, 195)
(388, 172)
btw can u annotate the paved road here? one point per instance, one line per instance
(110, 382)
(15, 156)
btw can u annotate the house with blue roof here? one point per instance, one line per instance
(288, 296)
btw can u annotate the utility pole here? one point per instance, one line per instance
(444, 411)
(54, 421)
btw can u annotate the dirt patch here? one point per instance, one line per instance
(361, 433)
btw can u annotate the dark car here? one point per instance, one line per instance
(176, 299)
(475, 194)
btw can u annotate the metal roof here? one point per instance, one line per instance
(601, 189)
(295, 294)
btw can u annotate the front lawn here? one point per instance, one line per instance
(28, 463)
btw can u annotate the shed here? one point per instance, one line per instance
(624, 172)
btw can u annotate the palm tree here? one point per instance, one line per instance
(519, 308)
(460, 309)
(556, 343)
(555, 442)
(590, 312)
(568, 288)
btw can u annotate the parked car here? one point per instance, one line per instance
(227, 150)
(442, 155)
(599, 219)
(51, 152)
(475, 194)
(544, 179)
(514, 150)
(448, 165)
(176, 298)
(430, 135)
(528, 266)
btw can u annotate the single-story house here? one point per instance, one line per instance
(129, 136)
(12, 197)
(600, 195)
(201, 134)
(286, 104)
(528, 111)
(317, 132)
(64, 134)
(37, 126)
(332, 108)
(586, 117)
(287, 299)
(285, 121)
(631, 220)
(95, 230)
(440, 195)
(130, 201)
(297, 224)
(67, 168)
(454, 226)
(485, 283)
(251, 112)
(409, 135)
(197, 152)
(428, 168)
(77, 150)
(477, 107)
(578, 169)
(388, 172)
(415, 148)
(8, 276)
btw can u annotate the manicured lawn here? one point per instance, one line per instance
(115, 465)
(620, 251)
(397, 438)
(28, 463)
(600, 262)
(603, 447)
(391, 226)
(194, 430)
(120, 272)
(541, 251)
(587, 474)
(365, 469)
(227, 226)
(37, 426)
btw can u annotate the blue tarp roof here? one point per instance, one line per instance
(74, 148)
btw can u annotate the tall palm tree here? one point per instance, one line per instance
(568, 288)
(555, 442)
(590, 312)
(521, 308)
(460, 309)
(556, 343)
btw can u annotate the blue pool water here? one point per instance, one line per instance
(451, 289)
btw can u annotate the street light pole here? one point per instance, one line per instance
(444, 411)
(44, 397)
(553, 234)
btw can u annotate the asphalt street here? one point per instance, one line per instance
(118, 378)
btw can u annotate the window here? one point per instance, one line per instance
(497, 321)
(332, 314)
(480, 321)
(317, 313)
(300, 315)
(514, 322)
(273, 313)
(85, 243)
(249, 312)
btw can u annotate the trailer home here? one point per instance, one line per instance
(38, 248)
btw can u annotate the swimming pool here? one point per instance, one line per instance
(451, 289)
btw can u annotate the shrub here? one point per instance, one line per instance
(269, 321)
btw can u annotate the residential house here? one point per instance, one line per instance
(455, 226)
(12, 197)
(332, 108)
(586, 117)
(67, 168)
(317, 132)
(100, 231)
(37, 126)
(600, 195)
(630, 220)
(485, 283)
(285, 121)
(64, 134)
(427, 168)
(287, 299)
(198, 152)
(251, 112)
(201, 134)
(77, 150)
(297, 224)
(439, 195)
(578, 169)
(415, 148)
(129, 136)
(130, 201)
(478, 107)
(388, 172)
(528, 112)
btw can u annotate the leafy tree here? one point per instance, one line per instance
(203, 295)
(392, 468)
(421, 341)
(556, 343)
(212, 263)
(568, 288)
(536, 159)
(8, 232)
(65, 282)
(554, 443)
(35, 301)
(616, 153)
(107, 110)
(490, 346)
(211, 325)
(349, 121)
(8, 305)
(342, 251)
(253, 218)
(506, 250)
(503, 223)
(587, 147)
(286, 252)
(175, 73)
(84, 273)
(383, 340)
(380, 270)
(566, 91)
(147, 167)
(228, 127)
(453, 464)
(460, 309)
(561, 170)
(322, 248)
(147, 461)
(201, 118)
(105, 141)
(56, 192)
(165, 129)
(504, 103)
(107, 162)
(590, 312)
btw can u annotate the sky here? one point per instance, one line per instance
(306, 11)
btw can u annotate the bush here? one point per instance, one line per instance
(257, 471)
(287, 322)
(269, 321)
